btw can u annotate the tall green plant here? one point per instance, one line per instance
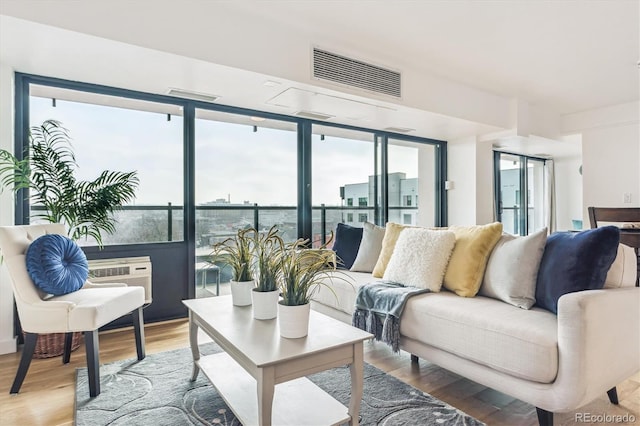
(85, 207)
(237, 252)
(269, 248)
(303, 271)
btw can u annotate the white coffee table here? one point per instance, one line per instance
(256, 359)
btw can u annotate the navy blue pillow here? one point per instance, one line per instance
(57, 265)
(575, 261)
(347, 244)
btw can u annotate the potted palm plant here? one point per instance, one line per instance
(85, 207)
(237, 252)
(269, 248)
(302, 272)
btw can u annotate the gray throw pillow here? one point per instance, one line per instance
(369, 250)
(512, 269)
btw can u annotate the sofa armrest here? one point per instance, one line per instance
(598, 341)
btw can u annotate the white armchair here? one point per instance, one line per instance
(85, 310)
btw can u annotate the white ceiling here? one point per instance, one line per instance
(568, 56)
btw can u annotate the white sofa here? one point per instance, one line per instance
(556, 363)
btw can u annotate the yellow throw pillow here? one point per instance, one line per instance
(391, 234)
(469, 258)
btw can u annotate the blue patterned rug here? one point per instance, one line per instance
(157, 391)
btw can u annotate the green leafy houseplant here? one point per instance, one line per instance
(85, 207)
(237, 252)
(269, 248)
(302, 272)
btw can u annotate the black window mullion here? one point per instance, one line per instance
(189, 195)
(304, 207)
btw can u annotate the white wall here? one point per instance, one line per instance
(568, 192)
(7, 340)
(610, 155)
(470, 168)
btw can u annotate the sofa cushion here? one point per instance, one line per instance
(347, 243)
(391, 234)
(420, 258)
(469, 258)
(370, 247)
(521, 343)
(512, 269)
(624, 269)
(575, 261)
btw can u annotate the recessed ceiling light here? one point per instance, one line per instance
(258, 119)
(399, 129)
(189, 94)
(271, 83)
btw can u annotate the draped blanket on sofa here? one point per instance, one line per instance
(378, 309)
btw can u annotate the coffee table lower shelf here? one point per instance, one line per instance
(296, 402)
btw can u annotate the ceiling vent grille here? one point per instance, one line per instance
(352, 72)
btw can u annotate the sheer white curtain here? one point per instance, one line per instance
(550, 196)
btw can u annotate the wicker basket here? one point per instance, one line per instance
(52, 344)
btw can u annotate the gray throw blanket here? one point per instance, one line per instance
(379, 306)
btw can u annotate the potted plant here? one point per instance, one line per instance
(269, 248)
(237, 252)
(85, 207)
(48, 171)
(302, 272)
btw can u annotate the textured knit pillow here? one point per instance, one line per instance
(347, 244)
(512, 269)
(370, 247)
(469, 258)
(575, 261)
(56, 264)
(391, 234)
(420, 258)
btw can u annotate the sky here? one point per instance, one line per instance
(232, 161)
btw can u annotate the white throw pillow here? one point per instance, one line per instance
(420, 258)
(512, 269)
(624, 269)
(369, 250)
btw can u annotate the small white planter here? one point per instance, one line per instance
(293, 320)
(265, 304)
(241, 292)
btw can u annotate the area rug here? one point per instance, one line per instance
(157, 391)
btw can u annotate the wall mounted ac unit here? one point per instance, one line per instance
(133, 271)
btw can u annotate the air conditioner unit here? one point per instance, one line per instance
(133, 271)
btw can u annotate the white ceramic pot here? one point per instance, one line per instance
(293, 320)
(265, 304)
(241, 292)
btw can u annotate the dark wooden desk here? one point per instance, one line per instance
(631, 237)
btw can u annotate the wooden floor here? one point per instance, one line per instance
(47, 395)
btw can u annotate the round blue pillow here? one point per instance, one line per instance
(57, 265)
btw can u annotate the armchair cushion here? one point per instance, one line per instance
(56, 264)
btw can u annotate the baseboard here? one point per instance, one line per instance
(8, 346)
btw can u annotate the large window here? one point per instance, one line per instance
(519, 194)
(113, 133)
(412, 172)
(343, 184)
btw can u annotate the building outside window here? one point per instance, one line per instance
(362, 201)
(407, 200)
(349, 217)
(350, 202)
(362, 217)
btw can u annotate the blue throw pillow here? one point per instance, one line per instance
(347, 244)
(57, 265)
(575, 261)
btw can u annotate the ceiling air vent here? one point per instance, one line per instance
(352, 72)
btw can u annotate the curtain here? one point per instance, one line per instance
(550, 196)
